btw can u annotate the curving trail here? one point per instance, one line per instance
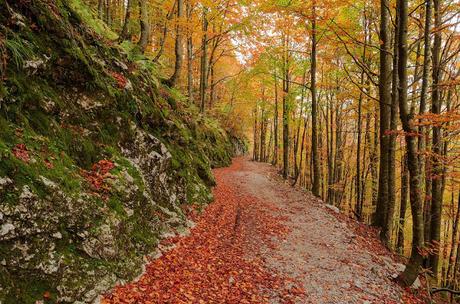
(262, 241)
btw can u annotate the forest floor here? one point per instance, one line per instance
(263, 241)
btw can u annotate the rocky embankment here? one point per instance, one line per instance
(99, 161)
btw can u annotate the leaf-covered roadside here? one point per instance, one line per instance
(219, 262)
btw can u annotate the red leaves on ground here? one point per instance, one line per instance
(220, 261)
(99, 172)
(48, 164)
(121, 80)
(46, 295)
(21, 152)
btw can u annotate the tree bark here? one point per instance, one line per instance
(108, 15)
(403, 205)
(314, 109)
(455, 243)
(387, 230)
(189, 54)
(100, 9)
(125, 32)
(412, 270)
(384, 103)
(178, 47)
(275, 122)
(145, 26)
(286, 108)
(204, 60)
(436, 184)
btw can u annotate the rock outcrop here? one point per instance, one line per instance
(97, 158)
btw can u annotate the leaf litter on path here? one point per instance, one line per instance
(218, 262)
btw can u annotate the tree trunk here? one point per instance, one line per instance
(359, 202)
(100, 9)
(373, 165)
(125, 32)
(387, 230)
(145, 26)
(178, 47)
(436, 184)
(286, 109)
(385, 102)
(314, 110)
(455, 244)
(204, 60)
(255, 156)
(301, 152)
(403, 205)
(412, 270)
(299, 125)
(108, 15)
(189, 54)
(423, 92)
(275, 123)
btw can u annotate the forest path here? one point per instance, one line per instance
(262, 241)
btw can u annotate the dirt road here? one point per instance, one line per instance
(263, 241)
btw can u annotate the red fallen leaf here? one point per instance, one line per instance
(46, 295)
(20, 152)
(99, 172)
(121, 80)
(48, 164)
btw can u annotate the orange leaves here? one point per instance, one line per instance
(48, 164)
(46, 295)
(220, 261)
(100, 171)
(121, 80)
(21, 152)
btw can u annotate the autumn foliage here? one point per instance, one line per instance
(21, 152)
(98, 174)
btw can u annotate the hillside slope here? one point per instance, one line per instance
(98, 159)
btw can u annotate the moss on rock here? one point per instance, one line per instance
(71, 98)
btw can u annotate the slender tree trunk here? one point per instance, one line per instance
(424, 166)
(385, 102)
(255, 156)
(403, 205)
(314, 110)
(204, 60)
(301, 152)
(178, 47)
(412, 270)
(330, 161)
(373, 164)
(299, 125)
(108, 15)
(389, 224)
(338, 161)
(189, 54)
(455, 244)
(262, 128)
(425, 75)
(126, 32)
(100, 9)
(275, 122)
(367, 166)
(359, 202)
(286, 109)
(145, 26)
(436, 184)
